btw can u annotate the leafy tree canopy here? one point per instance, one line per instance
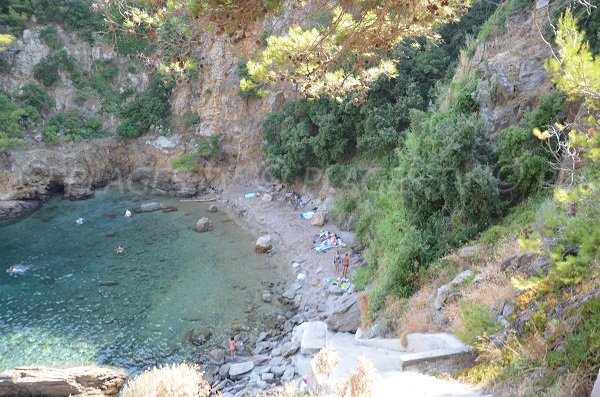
(343, 45)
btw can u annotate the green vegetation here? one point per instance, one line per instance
(71, 127)
(496, 24)
(50, 36)
(187, 163)
(33, 94)
(13, 120)
(46, 71)
(249, 88)
(557, 348)
(206, 148)
(478, 322)
(147, 109)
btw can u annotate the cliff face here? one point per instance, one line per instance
(511, 80)
(511, 69)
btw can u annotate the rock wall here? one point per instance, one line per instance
(511, 70)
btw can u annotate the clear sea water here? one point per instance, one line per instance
(79, 302)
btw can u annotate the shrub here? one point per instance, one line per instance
(72, 126)
(336, 175)
(187, 163)
(477, 321)
(249, 88)
(149, 108)
(7, 143)
(49, 35)
(210, 147)
(46, 71)
(75, 15)
(191, 118)
(363, 276)
(177, 380)
(34, 95)
(545, 112)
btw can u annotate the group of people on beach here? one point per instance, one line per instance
(344, 260)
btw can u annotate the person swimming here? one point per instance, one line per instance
(17, 269)
(127, 213)
(120, 249)
(79, 221)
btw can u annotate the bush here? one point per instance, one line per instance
(177, 380)
(34, 95)
(150, 108)
(75, 15)
(71, 126)
(46, 71)
(477, 322)
(363, 276)
(210, 147)
(49, 35)
(187, 163)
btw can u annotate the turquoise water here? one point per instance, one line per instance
(78, 301)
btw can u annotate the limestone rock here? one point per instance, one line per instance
(212, 208)
(470, 251)
(204, 225)
(288, 375)
(442, 293)
(217, 356)
(313, 337)
(318, 219)
(345, 314)
(240, 368)
(263, 244)
(58, 382)
(290, 348)
(13, 209)
(266, 197)
(266, 296)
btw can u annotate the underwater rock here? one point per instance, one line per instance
(204, 225)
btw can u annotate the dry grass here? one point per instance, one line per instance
(326, 360)
(416, 316)
(181, 380)
(363, 306)
(360, 381)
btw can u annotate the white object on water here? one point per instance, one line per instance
(79, 221)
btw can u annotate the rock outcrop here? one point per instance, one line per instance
(345, 314)
(55, 382)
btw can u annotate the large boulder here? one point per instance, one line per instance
(443, 293)
(344, 314)
(204, 225)
(263, 244)
(61, 382)
(314, 337)
(318, 219)
(240, 368)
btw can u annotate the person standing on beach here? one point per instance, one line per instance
(345, 264)
(232, 347)
(336, 261)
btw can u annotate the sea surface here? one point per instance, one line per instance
(76, 301)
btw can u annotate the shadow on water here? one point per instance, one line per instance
(80, 302)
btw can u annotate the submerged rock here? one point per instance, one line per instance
(13, 209)
(55, 382)
(212, 208)
(204, 225)
(263, 244)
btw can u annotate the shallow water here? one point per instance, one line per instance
(79, 302)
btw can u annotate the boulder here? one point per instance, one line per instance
(204, 225)
(290, 348)
(314, 336)
(345, 314)
(318, 219)
(263, 244)
(59, 382)
(266, 197)
(442, 293)
(224, 370)
(217, 356)
(288, 374)
(266, 297)
(150, 207)
(240, 368)
(212, 208)
(267, 377)
(470, 251)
